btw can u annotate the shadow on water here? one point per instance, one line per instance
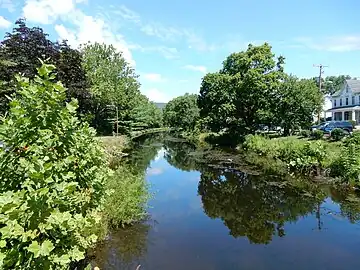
(240, 212)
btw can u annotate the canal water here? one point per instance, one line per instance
(204, 216)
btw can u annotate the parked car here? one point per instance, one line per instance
(327, 127)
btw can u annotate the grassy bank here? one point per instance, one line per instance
(127, 192)
(338, 158)
(309, 157)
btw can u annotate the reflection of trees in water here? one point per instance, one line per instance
(253, 206)
(180, 155)
(124, 248)
(144, 151)
(349, 202)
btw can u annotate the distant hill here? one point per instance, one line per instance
(160, 105)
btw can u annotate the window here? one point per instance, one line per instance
(347, 101)
(335, 103)
(353, 100)
(340, 101)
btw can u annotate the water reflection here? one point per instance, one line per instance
(255, 206)
(180, 155)
(216, 217)
(124, 248)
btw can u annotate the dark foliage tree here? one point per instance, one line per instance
(21, 52)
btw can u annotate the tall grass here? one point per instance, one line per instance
(308, 157)
(128, 197)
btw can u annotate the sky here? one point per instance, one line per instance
(173, 44)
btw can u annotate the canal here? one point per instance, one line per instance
(209, 215)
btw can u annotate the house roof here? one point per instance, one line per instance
(353, 84)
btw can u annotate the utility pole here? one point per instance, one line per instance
(321, 67)
(117, 118)
(117, 121)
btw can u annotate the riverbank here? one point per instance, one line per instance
(317, 158)
(126, 187)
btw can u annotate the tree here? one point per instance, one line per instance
(295, 103)
(332, 84)
(52, 172)
(113, 82)
(145, 115)
(21, 52)
(182, 112)
(237, 99)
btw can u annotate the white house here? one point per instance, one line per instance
(346, 102)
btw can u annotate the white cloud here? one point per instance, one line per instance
(201, 69)
(154, 171)
(128, 14)
(90, 29)
(165, 33)
(48, 11)
(197, 42)
(156, 95)
(167, 52)
(153, 77)
(344, 43)
(8, 4)
(4, 23)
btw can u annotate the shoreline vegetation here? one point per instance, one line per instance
(320, 158)
(63, 189)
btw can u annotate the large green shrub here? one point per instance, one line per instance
(310, 158)
(317, 134)
(51, 178)
(259, 144)
(347, 165)
(337, 134)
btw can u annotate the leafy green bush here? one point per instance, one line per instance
(305, 133)
(311, 158)
(52, 172)
(354, 139)
(127, 202)
(347, 165)
(337, 134)
(258, 144)
(317, 134)
(300, 155)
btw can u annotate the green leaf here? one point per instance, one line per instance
(34, 248)
(46, 248)
(2, 243)
(63, 260)
(76, 254)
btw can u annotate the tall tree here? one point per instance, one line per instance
(113, 83)
(21, 52)
(145, 115)
(236, 99)
(295, 103)
(182, 112)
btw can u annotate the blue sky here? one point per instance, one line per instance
(172, 44)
